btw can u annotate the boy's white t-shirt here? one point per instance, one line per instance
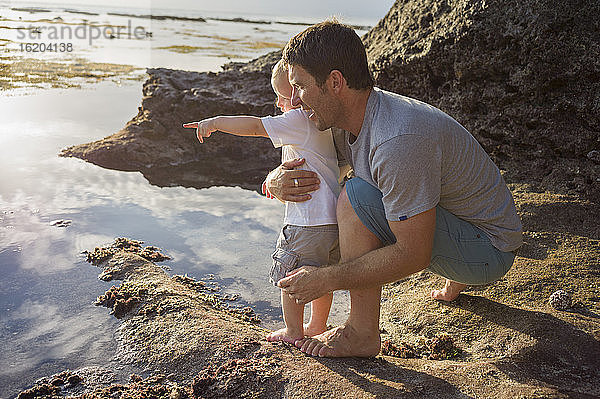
(300, 138)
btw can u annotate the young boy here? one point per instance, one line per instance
(310, 234)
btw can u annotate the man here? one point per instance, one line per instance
(425, 195)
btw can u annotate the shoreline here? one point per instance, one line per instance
(196, 18)
(505, 334)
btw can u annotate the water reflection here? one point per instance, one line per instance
(47, 290)
(40, 325)
(48, 320)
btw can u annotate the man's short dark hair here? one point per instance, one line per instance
(330, 45)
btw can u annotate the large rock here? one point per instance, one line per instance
(522, 76)
(155, 143)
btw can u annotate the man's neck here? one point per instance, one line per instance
(355, 108)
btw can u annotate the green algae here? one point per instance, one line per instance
(17, 72)
(124, 298)
(101, 254)
(185, 49)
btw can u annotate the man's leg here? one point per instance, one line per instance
(463, 254)
(359, 335)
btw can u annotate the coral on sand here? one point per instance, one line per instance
(560, 300)
(100, 254)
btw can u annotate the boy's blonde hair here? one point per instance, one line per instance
(280, 68)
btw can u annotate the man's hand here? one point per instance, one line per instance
(287, 184)
(304, 284)
(204, 128)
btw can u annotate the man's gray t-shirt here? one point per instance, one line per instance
(420, 157)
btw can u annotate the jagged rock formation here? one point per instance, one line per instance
(155, 143)
(522, 76)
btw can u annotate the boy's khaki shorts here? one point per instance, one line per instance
(299, 246)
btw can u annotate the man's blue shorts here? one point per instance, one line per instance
(461, 252)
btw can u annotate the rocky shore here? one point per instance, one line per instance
(523, 77)
(503, 340)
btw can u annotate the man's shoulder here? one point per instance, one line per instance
(388, 100)
(391, 97)
(397, 115)
(391, 116)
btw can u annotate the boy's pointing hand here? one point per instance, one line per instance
(204, 128)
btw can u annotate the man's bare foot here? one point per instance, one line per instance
(449, 292)
(311, 330)
(342, 341)
(284, 335)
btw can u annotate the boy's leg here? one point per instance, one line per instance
(319, 312)
(315, 246)
(293, 314)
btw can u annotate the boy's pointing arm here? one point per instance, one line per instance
(236, 125)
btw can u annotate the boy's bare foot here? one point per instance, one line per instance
(449, 292)
(284, 335)
(342, 341)
(312, 330)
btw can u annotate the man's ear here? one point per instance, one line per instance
(336, 81)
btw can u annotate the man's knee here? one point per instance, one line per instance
(362, 203)
(355, 238)
(349, 222)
